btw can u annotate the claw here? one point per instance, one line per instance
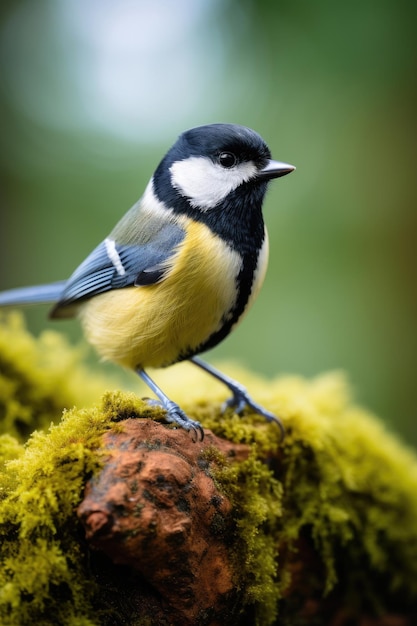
(173, 411)
(177, 415)
(241, 400)
(197, 433)
(236, 403)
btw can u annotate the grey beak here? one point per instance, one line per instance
(275, 169)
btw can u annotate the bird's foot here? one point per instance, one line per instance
(174, 414)
(241, 400)
(177, 415)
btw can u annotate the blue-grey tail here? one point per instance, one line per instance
(31, 295)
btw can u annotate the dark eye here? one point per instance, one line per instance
(227, 159)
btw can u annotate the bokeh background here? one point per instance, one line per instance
(93, 92)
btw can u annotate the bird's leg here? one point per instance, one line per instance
(240, 398)
(174, 413)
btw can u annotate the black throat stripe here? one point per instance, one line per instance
(244, 285)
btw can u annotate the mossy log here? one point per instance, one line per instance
(110, 516)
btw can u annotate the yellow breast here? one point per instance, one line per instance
(152, 326)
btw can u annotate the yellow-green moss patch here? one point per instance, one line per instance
(40, 377)
(338, 496)
(42, 560)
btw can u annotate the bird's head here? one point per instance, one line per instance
(209, 163)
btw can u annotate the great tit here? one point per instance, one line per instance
(182, 267)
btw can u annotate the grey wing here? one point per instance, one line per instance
(115, 266)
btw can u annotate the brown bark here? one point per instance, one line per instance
(157, 514)
(156, 509)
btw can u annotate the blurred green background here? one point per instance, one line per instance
(94, 91)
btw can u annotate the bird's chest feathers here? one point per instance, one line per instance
(203, 277)
(172, 318)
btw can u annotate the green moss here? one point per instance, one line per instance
(345, 485)
(10, 449)
(43, 569)
(339, 485)
(257, 509)
(354, 487)
(40, 377)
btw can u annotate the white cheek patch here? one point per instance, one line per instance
(205, 183)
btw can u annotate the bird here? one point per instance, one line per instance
(181, 268)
